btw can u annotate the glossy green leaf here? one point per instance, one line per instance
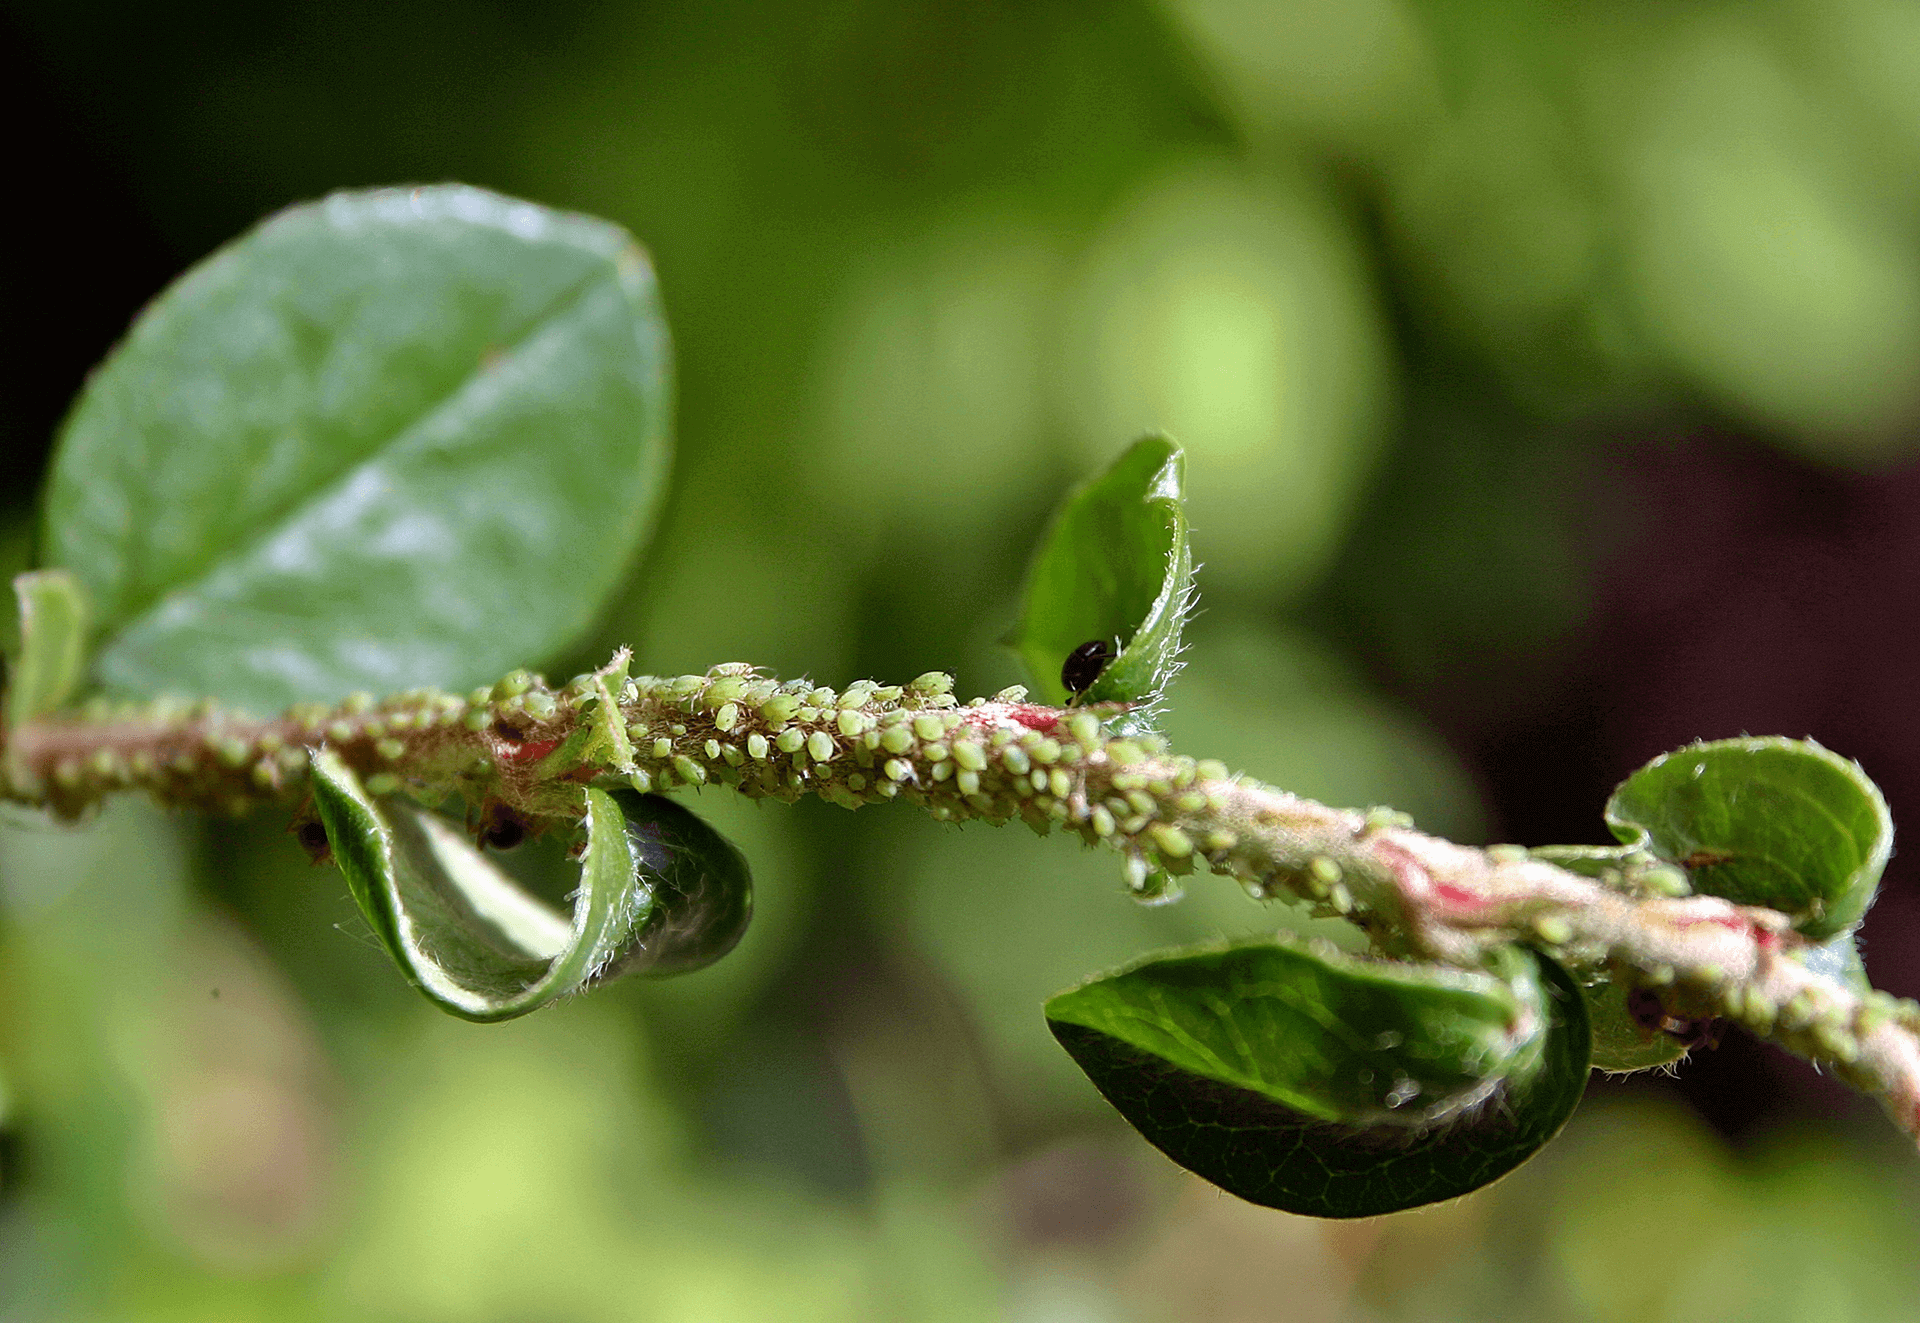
(481, 947)
(388, 439)
(1320, 1084)
(53, 641)
(1114, 567)
(700, 890)
(1775, 822)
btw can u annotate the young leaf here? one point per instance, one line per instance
(388, 439)
(482, 948)
(1114, 572)
(1774, 822)
(1325, 1085)
(53, 639)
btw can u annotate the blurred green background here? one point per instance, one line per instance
(1549, 375)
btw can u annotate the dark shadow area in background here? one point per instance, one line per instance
(85, 258)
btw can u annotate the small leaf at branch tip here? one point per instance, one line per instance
(1770, 822)
(54, 621)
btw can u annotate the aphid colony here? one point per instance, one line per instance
(995, 758)
(504, 745)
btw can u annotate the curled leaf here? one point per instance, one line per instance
(1109, 588)
(1781, 823)
(481, 947)
(1305, 1080)
(701, 891)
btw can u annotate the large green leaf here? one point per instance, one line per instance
(662, 894)
(1321, 1084)
(1115, 568)
(388, 439)
(1775, 822)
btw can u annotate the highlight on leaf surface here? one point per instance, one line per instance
(663, 894)
(1302, 1079)
(1108, 591)
(1780, 823)
(388, 439)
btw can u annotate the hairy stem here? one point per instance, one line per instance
(521, 748)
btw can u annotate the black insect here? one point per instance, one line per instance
(501, 828)
(1084, 664)
(313, 839)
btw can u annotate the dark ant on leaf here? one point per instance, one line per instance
(1084, 665)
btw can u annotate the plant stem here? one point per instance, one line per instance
(525, 748)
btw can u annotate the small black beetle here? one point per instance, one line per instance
(1084, 664)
